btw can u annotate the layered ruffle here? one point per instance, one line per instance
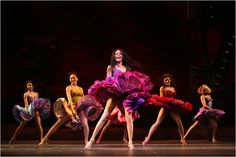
(42, 105)
(169, 103)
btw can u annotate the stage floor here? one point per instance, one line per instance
(117, 148)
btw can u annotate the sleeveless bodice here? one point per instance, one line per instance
(116, 72)
(76, 97)
(208, 101)
(30, 99)
(169, 93)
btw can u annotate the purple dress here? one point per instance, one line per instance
(131, 87)
(205, 113)
(39, 104)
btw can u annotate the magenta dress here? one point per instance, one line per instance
(130, 87)
(169, 102)
(204, 113)
(42, 105)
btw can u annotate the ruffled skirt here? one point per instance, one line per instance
(87, 103)
(41, 105)
(169, 103)
(204, 113)
(122, 86)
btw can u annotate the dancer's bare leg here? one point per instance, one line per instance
(54, 128)
(105, 128)
(69, 110)
(214, 129)
(106, 113)
(191, 128)
(18, 130)
(178, 121)
(130, 128)
(84, 122)
(161, 115)
(125, 140)
(38, 122)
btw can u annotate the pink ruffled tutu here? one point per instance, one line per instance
(121, 86)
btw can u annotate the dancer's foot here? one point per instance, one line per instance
(89, 145)
(214, 141)
(11, 141)
(145, 141)
(131, 146)
(125, 140)
(183, 142)
(43, 142)
(98, 141)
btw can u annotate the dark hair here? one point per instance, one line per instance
(27, 82)
(73, 72)
(172, 82)
(127, 60)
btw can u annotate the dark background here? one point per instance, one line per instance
(44, 41)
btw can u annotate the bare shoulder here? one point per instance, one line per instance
(68, 88)
(161, 88)
(26, 94)
(109, 67)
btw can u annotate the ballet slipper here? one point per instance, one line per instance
(131, 146)
(89, 145)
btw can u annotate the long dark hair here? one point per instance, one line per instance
(127, 61)
(172, 82)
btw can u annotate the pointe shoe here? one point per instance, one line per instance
(89, 145)
(131, 146)
(43, 142)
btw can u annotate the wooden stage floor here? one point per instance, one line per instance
(117, 148)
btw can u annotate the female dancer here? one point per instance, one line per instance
(34, 108)
(121, 87)
(66, 113)
(168, 105)
(206, 112)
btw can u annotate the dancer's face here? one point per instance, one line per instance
(118, 56)
(73, 79)
(167, 81)
(29, 86)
